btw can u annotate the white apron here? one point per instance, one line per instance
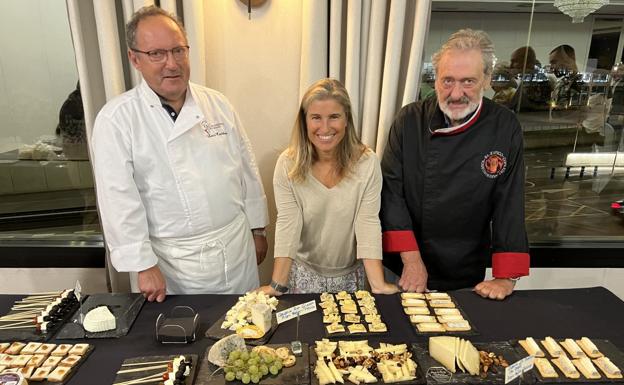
(222, 261)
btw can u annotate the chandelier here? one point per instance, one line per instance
(578, 9)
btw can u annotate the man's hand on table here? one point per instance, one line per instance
(497, 288)
(414, 276)
(385, 288)
(152, 284)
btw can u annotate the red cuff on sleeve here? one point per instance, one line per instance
(510, 265)
(399, 240)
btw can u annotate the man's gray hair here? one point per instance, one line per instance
(466, 39)
(143, 13)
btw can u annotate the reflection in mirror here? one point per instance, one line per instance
(46, 187)
(563, 82)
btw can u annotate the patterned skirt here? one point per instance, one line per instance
(304, 280)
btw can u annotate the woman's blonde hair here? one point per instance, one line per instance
(302, 151)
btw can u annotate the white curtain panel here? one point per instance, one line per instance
(110, 49)
(377, 42)
(194, 25)
(314, 45)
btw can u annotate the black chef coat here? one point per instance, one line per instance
(455, 194)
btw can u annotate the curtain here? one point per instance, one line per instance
(375, 49)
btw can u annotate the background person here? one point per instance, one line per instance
(177, 184)
(453, 170)
(327, 190)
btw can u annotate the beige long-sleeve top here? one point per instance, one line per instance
(329, 229)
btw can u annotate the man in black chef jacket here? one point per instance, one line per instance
(453, 190)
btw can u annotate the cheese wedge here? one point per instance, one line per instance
(531, 347)
(459, 345)
(566, 366)
(608, 367)
(352, 318)
(572, 347)
(441, 303)
(589, 348)
(335, 328)
(377, 327)
(470, 358)
(431, 296)
(261, 315)
(412, 295)
(585, 366)
(450, 318)
(552, 347)
(442, 349)
(545, 369)
(457, 326)
(331, 318)
(356, 328)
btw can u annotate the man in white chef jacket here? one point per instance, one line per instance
(177, 184)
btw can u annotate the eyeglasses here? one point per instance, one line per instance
(160, 55)
(466, 84)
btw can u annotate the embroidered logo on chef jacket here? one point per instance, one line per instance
(493, 164)
(213, 129)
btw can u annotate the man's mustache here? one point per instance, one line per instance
(463, 100)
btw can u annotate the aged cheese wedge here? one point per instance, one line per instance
(99, 319)
(442, 349)
(585, 366)
(459, 345)
(545, 369)
(589, 347)
(552, 347)
(418, 318)
(531, 347)
(572, 347)
(566, 366)
(608, 367)
(360, 374)
(323, 373)
(470, 358)
(416, 310)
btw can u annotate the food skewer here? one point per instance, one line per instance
(142, 369)
(146, 363)
(152, 378)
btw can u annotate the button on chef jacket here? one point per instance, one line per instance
(165, 179)
(456, 194)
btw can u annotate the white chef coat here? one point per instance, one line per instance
(157, 179)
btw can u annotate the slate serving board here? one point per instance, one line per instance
(124, 306)
(142, 374)
(298, 374)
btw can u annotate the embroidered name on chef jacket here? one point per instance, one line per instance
(493, 164)
(213, 129)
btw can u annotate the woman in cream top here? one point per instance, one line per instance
(327, 191)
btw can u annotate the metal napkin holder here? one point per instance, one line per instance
(179, 328)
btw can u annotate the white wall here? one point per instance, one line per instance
(255, 63)
(37, 68)
(510, 31)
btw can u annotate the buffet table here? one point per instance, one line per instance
(591, 312)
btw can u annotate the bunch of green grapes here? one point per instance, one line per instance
(250, 367)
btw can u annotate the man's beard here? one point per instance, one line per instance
(457, 115)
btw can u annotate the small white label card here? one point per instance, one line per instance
(514, 370)
(293, 312)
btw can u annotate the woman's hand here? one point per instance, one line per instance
(268, 290)
(385, 288)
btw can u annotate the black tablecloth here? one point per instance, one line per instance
(590, 312)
